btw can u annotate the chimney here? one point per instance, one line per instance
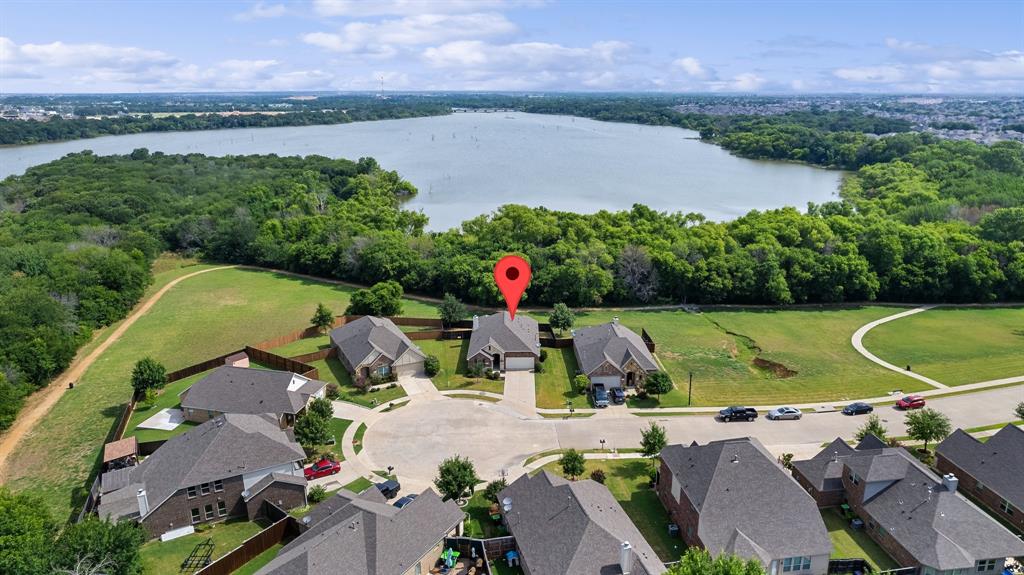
(615, 319)
(143, 503)
(950, 482)
(476, 322)
(626, 558)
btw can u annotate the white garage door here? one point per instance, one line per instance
(607, 380)
(409, 368)
(518, 363)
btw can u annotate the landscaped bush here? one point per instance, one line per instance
(333, 391)
(543, 355)
(316, 494)
(538, 367)
(597, 475)
(581, 382)
(431, 365)
(474, 370)
(492, 374)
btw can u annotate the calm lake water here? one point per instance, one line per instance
(469, 164)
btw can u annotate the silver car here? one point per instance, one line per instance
(785, 413)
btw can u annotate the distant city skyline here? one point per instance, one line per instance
(513, 45)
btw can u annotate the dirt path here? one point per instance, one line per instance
(40, 403)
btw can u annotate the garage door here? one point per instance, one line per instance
(607, 380)
(518, 363)
(409, 368)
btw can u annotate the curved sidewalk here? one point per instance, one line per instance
(858, 343)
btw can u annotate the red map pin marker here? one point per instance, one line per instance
(512, 274)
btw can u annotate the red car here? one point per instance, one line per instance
(910, 402)
(321, 468)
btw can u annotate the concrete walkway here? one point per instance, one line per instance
(858, 343)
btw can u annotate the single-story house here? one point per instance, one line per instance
(917, 517)
(351, 533)
(250, 390)
(226, 467)
(733, 497)
(613, 355)
(563, 526)
(500, 342)
(991, 472)
(374, 345)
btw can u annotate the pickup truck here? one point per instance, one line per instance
(600, 395)
(737, 412)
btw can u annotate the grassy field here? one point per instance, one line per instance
(627, 480)
(954, 346)
(850, 544)
(452, 356)
(257, 563)
(204, 316)
(160, 557)
(480, 524)
(554, 385)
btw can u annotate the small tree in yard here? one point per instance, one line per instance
(148, 374)
(561, 317)
(451, 310)
(431, 365)
(928, 425)
(494, 488)
(455, 477)
(1020, 410)
(312, 429)
(321, 407)
(658, 383)
(697, 561)
(653, 440)
(323, 318)
(581, 382)
(873, 426)
(573, 464)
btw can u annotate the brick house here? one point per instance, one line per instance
(375, 346)
(502, 343)
(226, 467)
(992, 473)
(253, 391)
(917, 517)
(731, 496)
(613, 355)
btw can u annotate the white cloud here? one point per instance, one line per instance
(691, 66)
(383, 38)
(261, 11)
(873, 74)
(363, 8)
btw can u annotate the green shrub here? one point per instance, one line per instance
(431, 365)
(543, 355)
(597, 475)
(333, 391)
(316, 494)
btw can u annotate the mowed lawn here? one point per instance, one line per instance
(954, 346)
(555, 384)
(848, 543)
(160, 557)
(201, 317)
(451, 353)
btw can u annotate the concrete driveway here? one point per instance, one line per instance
(521, 393)
(416, 438)
(416, 384)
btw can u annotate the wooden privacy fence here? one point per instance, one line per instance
(316, 355)
(251, 548)
(647, 339)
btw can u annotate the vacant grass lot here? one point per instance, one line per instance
(204, 316)
(160, 557)
(627, 480)
(452, 355)
(850, 544)
(954, 346)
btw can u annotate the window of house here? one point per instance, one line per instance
(980, 486)
(1006, 507)
(204, 489)
(218, 486)
(384, 370)
(854, 478)
(222, 509)
(790, 564)
(986, 565)
(195, 515)
(191, 491)
(209, 510)
(419, 569)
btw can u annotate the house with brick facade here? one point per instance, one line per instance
(613, 355)
(563, 526)
(505, 344)
(372, 346)
(919, 518)
(226, 467)
(252, 391)
(992, 473)
(350, 533)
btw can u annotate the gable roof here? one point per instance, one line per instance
(367, 536)
(824, 471)
(363, 340)
(224, 447)
(727, 482)
(997, 463)
(573, 527)
(516, 335)
(611, 342)
(254, 391)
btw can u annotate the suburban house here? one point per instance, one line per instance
(733, 497)
(226, 467)
(916, 516)
(375, 346)
(351, 533)
(613, 355)
(254, 391)
(992, 473)
(502, 343)
(563, 526)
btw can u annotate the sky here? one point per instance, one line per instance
(512, 45)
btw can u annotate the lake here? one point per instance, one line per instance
(470, 163)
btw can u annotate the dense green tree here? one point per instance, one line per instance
(697, 561)
(26, 534)
(873, 426)
(928, 425)
(312, 429)
(658, 383)
(451, 310)
(383, 299)
(456, 477)
(561, 317)
(653, 440)
(148, 374)
(573, 464)
(98, 544)
(323, 318)
(494, 488)
(322, 407)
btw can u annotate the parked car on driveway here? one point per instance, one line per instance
(737, 412)
(618, 396)
(403, 501)
(600, 395)
(858, 408)
(321, 468)
(389, 488)
(910, 402)
(785, 413)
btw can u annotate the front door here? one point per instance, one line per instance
(630, 380)
(496, 361)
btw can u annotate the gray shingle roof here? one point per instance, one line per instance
(516, 335)
(224, 447)
(573, 527)
(361, 341)
(728, 483)
(249, 390)
(611, 342)
(997, 463)
(825, 470)
(270, 479)
(366, 536)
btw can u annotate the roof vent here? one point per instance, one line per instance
(476, 322)
(950, 482)
(735, 457)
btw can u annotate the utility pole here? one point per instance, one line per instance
(689, 393)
